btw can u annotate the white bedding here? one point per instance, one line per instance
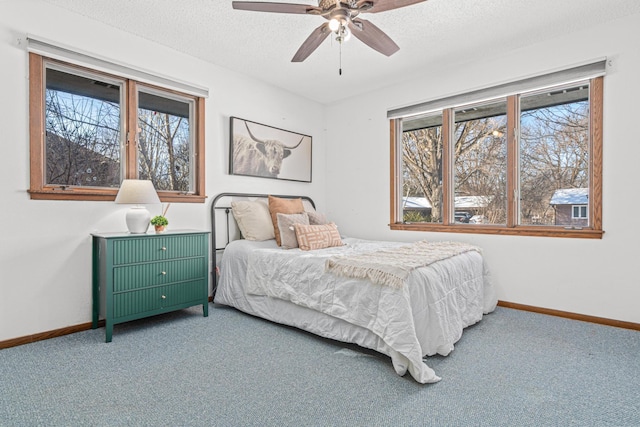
(423, 318)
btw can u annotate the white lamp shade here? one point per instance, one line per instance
(137, 192)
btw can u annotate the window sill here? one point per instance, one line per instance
(167, 197)
(541, 231)
(107, 195)
(72, 194)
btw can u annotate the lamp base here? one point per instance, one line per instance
(138, 219)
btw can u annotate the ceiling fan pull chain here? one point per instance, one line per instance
(340, 70)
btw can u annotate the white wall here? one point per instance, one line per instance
(593, 277)
(45, 250)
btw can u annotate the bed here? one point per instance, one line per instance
(407, 312)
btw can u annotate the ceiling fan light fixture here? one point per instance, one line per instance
(334, 25)
(347, 34)
(343, 34)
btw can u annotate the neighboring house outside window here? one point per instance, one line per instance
(418, 209)
(90, 130)
(494, 166)
(570, 207)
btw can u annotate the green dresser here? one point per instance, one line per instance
(141, 275)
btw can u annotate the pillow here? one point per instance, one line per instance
(317, 236)
(316, 218)
(287, 232)
(308, 206)
(285, 206)
(253, 220)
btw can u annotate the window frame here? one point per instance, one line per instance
(593, 231)
(38, 190)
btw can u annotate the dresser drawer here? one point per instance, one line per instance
(137, 276)
(157, 299)
(158, 248)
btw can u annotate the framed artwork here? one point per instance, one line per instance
(268, 152)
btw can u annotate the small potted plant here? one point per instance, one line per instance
(160, 222)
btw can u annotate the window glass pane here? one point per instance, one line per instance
(480, 166)
(83, 130)
(422, 169)
(165, 149)
(554, 156)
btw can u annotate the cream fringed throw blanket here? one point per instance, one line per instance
(391, 267)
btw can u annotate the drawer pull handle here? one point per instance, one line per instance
(164, 248)
(164, 273)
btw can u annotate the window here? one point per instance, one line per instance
(579, 212)
(528, 164)
(90, 130)
(553, 153)
(422, 151)
(480, 161)
(165, 142)
(83, 129)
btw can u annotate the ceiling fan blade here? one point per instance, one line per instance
(373, 37)
(312, 42)
(259, 6)
(384, 5)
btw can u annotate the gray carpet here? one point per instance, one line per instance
(512, 369)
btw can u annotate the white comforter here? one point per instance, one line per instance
(423, 318)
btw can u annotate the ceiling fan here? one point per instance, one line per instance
(343, 21)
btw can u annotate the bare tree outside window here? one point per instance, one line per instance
(83, 119)
(554, 152)
(525, 164)
(90, 129)
(552, 168)
(82, 131)
(164, 144)
(422, 152)
(480, 163)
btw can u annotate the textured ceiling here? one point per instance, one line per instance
(433, 33)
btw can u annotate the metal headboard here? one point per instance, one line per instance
(228, 218)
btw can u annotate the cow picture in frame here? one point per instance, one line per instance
(268, 152)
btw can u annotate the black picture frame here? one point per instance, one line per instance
(265, 151)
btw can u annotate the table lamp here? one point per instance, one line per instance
(137, 192)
